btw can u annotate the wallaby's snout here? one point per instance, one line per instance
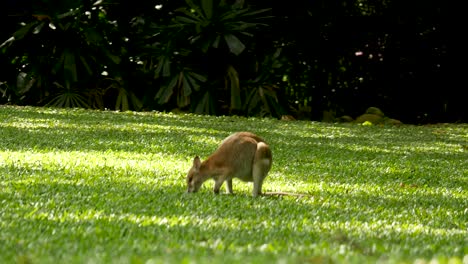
(194, 180)
(242, 155)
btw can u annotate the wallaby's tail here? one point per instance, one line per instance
(261, 166)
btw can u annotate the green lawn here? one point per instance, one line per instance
(82, 186)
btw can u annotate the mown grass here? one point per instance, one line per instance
(82, 186)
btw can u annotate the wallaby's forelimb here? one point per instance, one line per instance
(217, 186)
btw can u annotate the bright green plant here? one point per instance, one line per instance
(61, 53)
(67, 97)
(262, 98)
(217, 24)
(208, 36)
(126, 99)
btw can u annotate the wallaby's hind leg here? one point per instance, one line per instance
(261, 167)
(229, 186)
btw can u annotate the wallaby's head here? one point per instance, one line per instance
(194, 179)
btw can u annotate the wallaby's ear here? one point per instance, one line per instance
(196, 162)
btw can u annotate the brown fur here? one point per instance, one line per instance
(242, 155)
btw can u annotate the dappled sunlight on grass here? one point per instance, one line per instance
(81, 186)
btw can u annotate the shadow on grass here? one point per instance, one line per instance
(107, 131)
(384, 157)
(336, 150)
(156, 219)
(160, 219)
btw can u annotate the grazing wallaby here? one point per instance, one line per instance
(242, 155)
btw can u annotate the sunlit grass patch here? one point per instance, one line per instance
(87, 186)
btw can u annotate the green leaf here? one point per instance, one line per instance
(86, 65)
(167, 67)
(194, 79)
(7, 42)
(38, 28)
(69, 99)
(70, 13)
(233, 15)
(189, 19)
(24, 82)
(69, 65)
(164, 66)
(183, 96)
(255, 13)
(233, 76)
(187, 85)
(197, 76)
(216, 42)
(192, 5)
(20, 33)
(234, 44)
(165, 92)
(122, 100)
(205, 105)
(114, 58)
(207, 7)
(137, 104)
(92, 36)
(252, 101)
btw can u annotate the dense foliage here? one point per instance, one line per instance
(80, 186)
(260, 58)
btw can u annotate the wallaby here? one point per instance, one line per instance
(242, 155)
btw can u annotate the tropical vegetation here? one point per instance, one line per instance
(308, 60)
